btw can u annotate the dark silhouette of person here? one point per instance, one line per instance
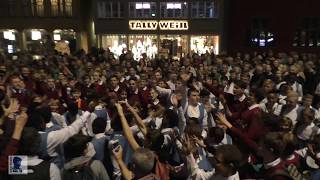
(17, 163)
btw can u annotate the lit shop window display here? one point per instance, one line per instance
(175, 46)
(203, 44)
(37, 40)
(140, 44)
(115, 43)
(65, 36)
(8, 40)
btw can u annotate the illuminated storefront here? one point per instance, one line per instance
(203, 44)
(67, 36)
(143, 44)
(115, 43)
(35, 40)
(170, 29)
(175, 46)
(9, 40)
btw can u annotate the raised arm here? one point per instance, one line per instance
(138, 119)
(163, 91)
(126, 129)
(126, 173)
(249, 142)
(58, 137)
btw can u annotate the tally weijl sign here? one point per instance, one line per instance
(162, 25)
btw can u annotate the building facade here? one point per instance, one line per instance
(34, 25)
(168, 28)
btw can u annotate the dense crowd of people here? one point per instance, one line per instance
(92, 116)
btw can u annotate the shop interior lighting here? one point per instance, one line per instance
(9, 35)
(56, 37)
(35, 35)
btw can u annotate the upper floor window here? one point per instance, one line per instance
(203, 9)
(8, 8)
(110, 9)
(61, 7)
(12, 7)
(173, 9)
(308, 33)
(37, 7)
(260, 34)
(142, 9)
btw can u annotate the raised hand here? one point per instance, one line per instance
(222, 118)
(187, 147)
(21, 119)
(119, 107)
(12, 108)
(117, 153)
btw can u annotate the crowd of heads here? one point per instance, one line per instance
(94, 116)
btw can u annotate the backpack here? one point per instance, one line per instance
(79, 173)
(40, 171)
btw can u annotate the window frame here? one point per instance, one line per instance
(121, 15)
(215, 9)
(184, 11)
(152, 3)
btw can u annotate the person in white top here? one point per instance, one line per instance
(291, 109)
(224, 160)
(195, 109)
(271, 105)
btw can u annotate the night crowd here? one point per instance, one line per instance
(200, 117)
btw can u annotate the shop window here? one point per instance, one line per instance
(176, 46)
(308, 33)
(143, 44)
(173, 9)
(142, 9)
(64, 40)
(35, 40)
(8, 40)
(115, 43)
(203, 9)
(260, 35)
(109, 9)
(204, 44)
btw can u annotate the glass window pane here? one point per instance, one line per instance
(108, 9)
(203, 44)
(121, 10)
(115, 12)
(115, 43)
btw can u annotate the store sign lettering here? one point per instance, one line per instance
(163, 25)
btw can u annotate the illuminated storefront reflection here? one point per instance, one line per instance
(175, 46)
(169, 46)
(8, 40)
(115, 43)
(140, 44)
(36, 40)
(203, 44)
(66, 37)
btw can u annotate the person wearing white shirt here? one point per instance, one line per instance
(29, 146)
(271, 105)
(291, 109)
(194, 109)
(223, 160)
